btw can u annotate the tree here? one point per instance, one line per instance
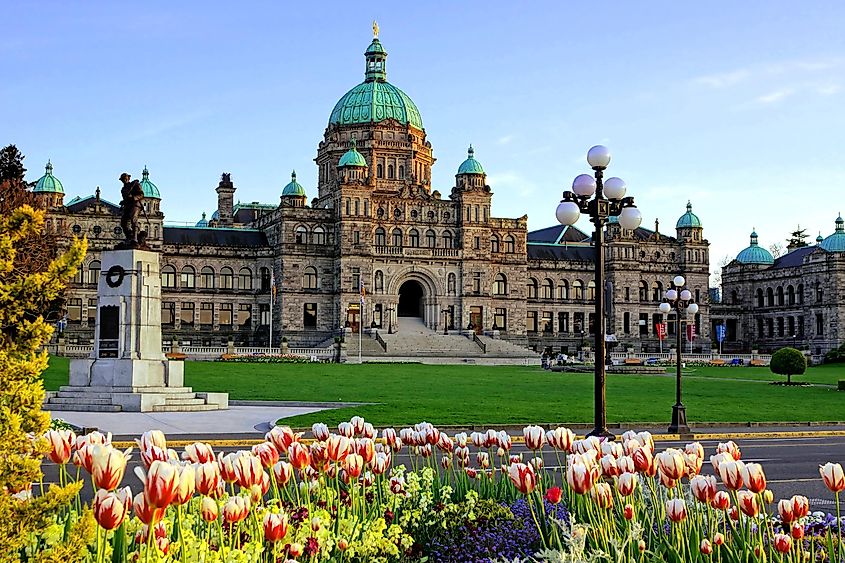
(788, 361)
(776, 249)
(24, 296)
(798, 238)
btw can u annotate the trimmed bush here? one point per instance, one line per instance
(788, 361)
(842, 384)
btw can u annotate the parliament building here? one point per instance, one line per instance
(374, 219)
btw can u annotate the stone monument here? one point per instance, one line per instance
(127, 369)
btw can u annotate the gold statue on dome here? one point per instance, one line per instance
(375, 29)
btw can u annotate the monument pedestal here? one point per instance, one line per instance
(127, 369)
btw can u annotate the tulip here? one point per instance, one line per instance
(296, 549)
(534, 437)
(365, 448)
(369, 431)
(381, 462)
(61, 445)
(625, 464)
(397, 485)
(209, 509)
(337, 447)
(425, 450)
(471, 472)
(609, 467)
(733, 513)
(198, 452)
(92, 439)
(666, 481)
(693, 464)
(160, 483)
(357, 423)
(145, 512)
(628, 511)
(299, 455)
(353, 465)
(267, 453)
(641, 546)
(154, 453)
(747, 502)
(671, 463)
(800, 506)
(833, 477)
(626, 484)
(644, 461)
(561, 439)
(753, 477)
(275, 526)
(186, 484)
(461, 439)
(110, 508)
(320, 431)
(785, 510)
(228, 467)
(718, 459)
(503, 440)
(445, 462)
(235, 509)
(731, 474)
(342, 544)
(797, 531)
(718, 538)
(248, 469)
(152, 438)
(207, 477)
(676, 510)
(392, 440)
(281, 437)
(602, 494)
(768, 496)
(730, 448)
(783, 543)
(482, 459)
(445, 443)
(694, 448)
(591, 443)
(579, 478)
(108, 466)
(82, 457)
(703, 488)
(523, 477)
(706, 548)
(554, 494)
(346, 429)
(282, 471)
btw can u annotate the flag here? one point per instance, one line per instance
(273, 282)
(363, 291)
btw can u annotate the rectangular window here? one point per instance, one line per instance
(780, 326)
(168, 314)
(578, 323)
(592, 323)
(207, 314)
(548, 322)
(656, 318)
(531, 321)
(356, 237)
(626, 321)
(356, 279)
(264, 314)
(643, 324)
(244, 315)
(168, 277)
(226, 315)
(819, 324)
(770, 327)
(476, 283)
(74, 311)
(187, 314)
(500, 319)
(627, 294)
(760, 331)
(477, 243)
(800, 323)
(92, 312)
(563, 322)
(309, 316)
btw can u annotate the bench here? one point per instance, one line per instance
(633, 362)
(717, 362)
(737, 362)
(756, 363)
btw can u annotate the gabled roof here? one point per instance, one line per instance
(203, 236)
(641, 233)
(550, 251)
(793, 259)
(558, 234)
(78, 204)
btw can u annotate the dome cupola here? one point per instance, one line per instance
(352, 158)
(202, 222)
(754, 254)
(48, 183)
(470, 165)
(150, 189)
(689, 219)
(293, 188)
(819, 239)
(836, 241)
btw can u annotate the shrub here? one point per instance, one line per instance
(835, 355)
(788, 361)
(842, 384)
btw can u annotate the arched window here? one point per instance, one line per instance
(94, 272)
(188, 279)
(510, 245)
(301, 235)
(770, 297)
(643, 290)
(380, 171)
(390, 171)
(532, 288)
(447, 239)
(780, 295)
(578, 290)
(207, 277)
(800, 293)
(309, 278)
(563, 290)
(401, 172)
(790, 295)
(381, 237)
(245, 279)
(500, 285)
(494, 244)
(319, 235)
(548, 290)
(450, 284)
(414, 238)
(657, 291)
(227, 278)
(379, 281)
(430, 238)
(397, 237)
(264, 276)
(168, 277)
(734, 298)
(760, 297)
(591, 291)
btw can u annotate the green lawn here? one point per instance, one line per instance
(510, 394)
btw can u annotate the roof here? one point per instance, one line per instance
(754, 254)
(470, 165)
(248, 238)
(641, 233)
(688, 219)
(836, 241)
(48, 183)
(557, 234)
(793, 259)
(150, 189)
(80, 203)
(572, 252)
(293, 188)
(352, 157)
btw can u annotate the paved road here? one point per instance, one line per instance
(791, 464)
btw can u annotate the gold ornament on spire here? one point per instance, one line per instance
(375, 29)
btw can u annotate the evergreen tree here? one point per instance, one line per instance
(798, 238)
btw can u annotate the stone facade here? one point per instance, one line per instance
(377, 221)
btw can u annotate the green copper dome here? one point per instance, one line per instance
(150, 189)
(202, 222)
(836, 241)
(293, 188)
(754, 254)
(470, 165)
(688, 219)
(48, 183)
(375, 99)
(352, 157)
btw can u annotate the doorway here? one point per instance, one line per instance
(410, 299)
(476, 318)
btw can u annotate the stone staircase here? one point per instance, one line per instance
(413, 338)
(112, 399)
(505, 349)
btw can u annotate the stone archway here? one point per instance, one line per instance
(411, 295)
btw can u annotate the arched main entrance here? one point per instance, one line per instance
(410, 299)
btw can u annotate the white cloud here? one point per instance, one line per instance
(723, 79)
(774, 97)
(829, 90)
(505, 139)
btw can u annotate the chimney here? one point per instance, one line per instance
(225, 200)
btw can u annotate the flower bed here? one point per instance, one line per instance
(266, 359)
(342, 496)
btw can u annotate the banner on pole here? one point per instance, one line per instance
(721, 332)
(690, 332)
(660, 329)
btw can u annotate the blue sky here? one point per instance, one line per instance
(734, 105)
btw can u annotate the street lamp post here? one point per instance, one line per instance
(390, 320)
(679, 300)
(609, 201)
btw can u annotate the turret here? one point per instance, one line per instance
(225, 200)
(293, 195)
(48, 190)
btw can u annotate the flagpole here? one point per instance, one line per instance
(272, 292)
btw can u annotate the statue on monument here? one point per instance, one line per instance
(131, 207)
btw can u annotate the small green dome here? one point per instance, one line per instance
(754, 254)
(150, 189)
(470, 165)
(836, 241)
(202, 222)
(293, 188)
(352, 157)
(375, 48)
(48, 183)
(819, 239)
(688, 219)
